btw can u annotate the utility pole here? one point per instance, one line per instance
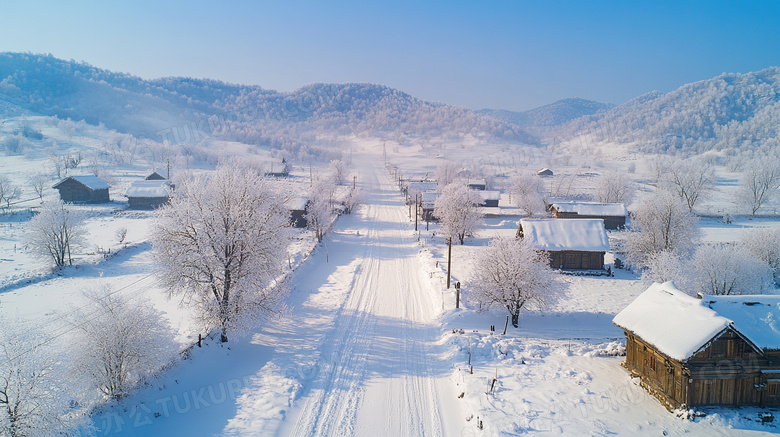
(449, 261)
(168, 161)
(415, 211)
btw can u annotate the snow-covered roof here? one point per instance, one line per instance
(297, 204)
(586, 235)
(151, 188)
(592, 208)
(544, 172)
(490, 194)
(428, 199)
(477, 182)
(757, 317)
(422, 187)
(673, 322)
(90, 181)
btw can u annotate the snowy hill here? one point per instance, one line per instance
(46, 85)
(730, 111)
(554, 114)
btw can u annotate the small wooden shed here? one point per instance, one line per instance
(148, 194)
(298, 208)
(573, 244)
(490, 198)
(613, 214)
(83, 189)
(155, 177)
(544, 172)
(707, 350)
(428, 201)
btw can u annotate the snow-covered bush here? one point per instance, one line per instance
(510, 273)
(221, 243)
(120, 342)
(458, 211)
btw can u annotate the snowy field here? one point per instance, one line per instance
(371, 342)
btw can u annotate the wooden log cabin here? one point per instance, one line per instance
(613, 214)
(83, 189)
(706, 350)
(572, 244)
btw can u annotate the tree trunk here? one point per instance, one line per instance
(516, 319)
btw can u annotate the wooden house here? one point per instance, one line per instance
(83, 189)
(544, 172)
(573, 244)
(706, 350)
(490, 198)
(613, 214)
(148, 194)
(298, 208)
(428, 201)
(155, 177)
(477, 184)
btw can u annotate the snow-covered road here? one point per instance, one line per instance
(367, 331)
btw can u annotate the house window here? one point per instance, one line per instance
(771, 388)
(652, 361)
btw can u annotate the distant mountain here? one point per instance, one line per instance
(188, 108)
(554, 114)
(731, 111)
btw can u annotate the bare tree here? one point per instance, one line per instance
(55, 231)
(221, 243)
(39, 184)
(760, 182)
(661, 222)
(614, 187)
(458, 211)
(8, 191)
(338, 170)
(527, 193)
(512, 274)
(691, 179)
(121, 341)
(35, 399)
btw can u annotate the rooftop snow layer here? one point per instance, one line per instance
(90, 181)
(676, 324)
(586, 235)
(297, 204)
(592, 208)
(153, 188)
(755, 316)
(490, 195)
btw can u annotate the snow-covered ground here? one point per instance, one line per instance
(371, 342)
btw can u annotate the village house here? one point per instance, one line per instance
(298, 208)
(427, 203)
(155, 177)
(544, 172)
(613, 214)
(148, 194)
(705, 350)
(83, 189)
(490, 198)
(573, 244)
(477, 184)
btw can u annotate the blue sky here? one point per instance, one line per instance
(496, 54)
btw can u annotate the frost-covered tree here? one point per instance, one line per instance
(759, 184)
(527, 190)
(445, 173)
(221, 243)
(122, 340)
(352, 199)
(319, 213)
(727, 269)
(764, 244)
(614, 187)
(338, 171)
(667, 265)
(8, 191)
(458, 211)
(35, 398)
(55, 231)
(661, 222)
(512, 274)
(691, 179)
